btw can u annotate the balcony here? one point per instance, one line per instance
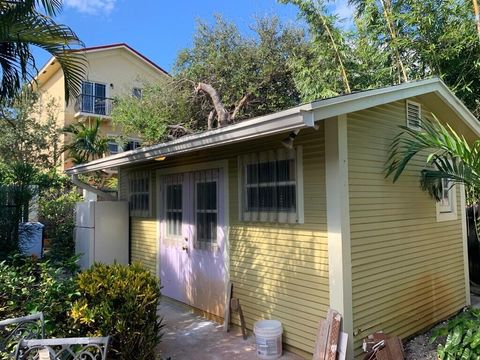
(88, 105)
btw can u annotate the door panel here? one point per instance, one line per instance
(174, 263)
(200, 268)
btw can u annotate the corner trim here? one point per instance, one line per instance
(338, 223)
(463, 217)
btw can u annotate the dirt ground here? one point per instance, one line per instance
(420, 347)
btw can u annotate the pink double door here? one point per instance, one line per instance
(192, 231)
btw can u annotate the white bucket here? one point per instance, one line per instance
(268, 339)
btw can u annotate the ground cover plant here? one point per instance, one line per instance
(462, 337)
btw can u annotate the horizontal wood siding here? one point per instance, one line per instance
(279, 271)
(407, 268)
(143, 242)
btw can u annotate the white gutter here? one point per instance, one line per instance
(85, 186)
(287, 120)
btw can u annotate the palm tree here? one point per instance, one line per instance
(86, 142)
(447, 155)
(26, 23)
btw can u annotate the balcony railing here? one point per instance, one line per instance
(91, 104)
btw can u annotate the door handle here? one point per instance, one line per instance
(185, 248)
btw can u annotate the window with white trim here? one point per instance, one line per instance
(113, 147)
(270, 188)
(414, 115)
(447, 206)
(139, 193)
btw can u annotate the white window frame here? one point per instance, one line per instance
(107, 94)
(128, 139)
(276, 216)
(113, 142)
(135, 176)
(410, 102)
(448, 212)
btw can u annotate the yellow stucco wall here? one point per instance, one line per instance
(279, 271)
(119, 69)
(407, 268)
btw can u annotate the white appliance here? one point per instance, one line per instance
(101, 232)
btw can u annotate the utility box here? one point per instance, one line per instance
(30, 235)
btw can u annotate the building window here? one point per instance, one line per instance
(137, 92)
(414, 115)
(447, 206)
(270, 186)
(139, 193)
(113, 147)
(132, 145)
(94, 98)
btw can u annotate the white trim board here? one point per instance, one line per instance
(338, 223)
(292, 119)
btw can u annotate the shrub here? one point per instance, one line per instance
(57, 214)
(462, 337)
(120, 301)
(28, 286)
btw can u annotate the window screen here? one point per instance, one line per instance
(139, 193)
(270, 185)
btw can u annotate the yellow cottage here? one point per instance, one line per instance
(295, 210)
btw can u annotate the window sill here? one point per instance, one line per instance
(271, 217)
(447, 216)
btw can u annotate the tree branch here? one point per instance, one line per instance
(239, 106)
(222, 114)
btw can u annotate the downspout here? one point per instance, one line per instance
(85, 186)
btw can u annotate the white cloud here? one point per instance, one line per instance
(92, 7)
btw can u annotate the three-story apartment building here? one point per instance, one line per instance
(112, 70)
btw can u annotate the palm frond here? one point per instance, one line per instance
(446, 156)
(22, 27)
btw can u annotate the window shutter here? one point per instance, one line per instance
(414, 115)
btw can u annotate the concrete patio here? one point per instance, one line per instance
(189, 336)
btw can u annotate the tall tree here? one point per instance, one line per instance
(27, 23)
(25, 140)
(223, 78)
(328, 44)
(430, 37)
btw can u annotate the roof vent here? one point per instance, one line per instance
(414, 115)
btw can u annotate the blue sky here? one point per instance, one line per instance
(159, 29)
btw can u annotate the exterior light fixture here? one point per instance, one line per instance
(288, 141)
(160, 158)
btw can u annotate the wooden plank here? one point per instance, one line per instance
(321, 342)
(333, 334)
(226, 322)
(323, 334)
